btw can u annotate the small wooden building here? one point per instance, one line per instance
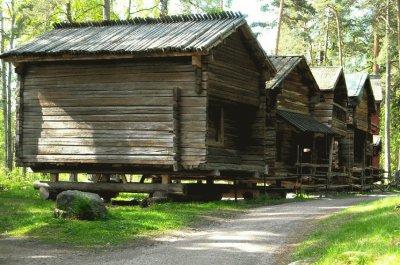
(357, 147)
(375, 121)
(302, 142)
(178, 96)
(332, 109)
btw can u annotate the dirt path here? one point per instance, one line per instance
(263, 236)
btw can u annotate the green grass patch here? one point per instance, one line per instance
(364, 234)
(24, 214)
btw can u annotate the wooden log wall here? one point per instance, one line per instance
(236, 83)
(286, 154)
(19, 115)
(346, 149)
(119, 112)
(332, 113)
(233, 76)
(294, 95)
(361, 114)
(270, 134)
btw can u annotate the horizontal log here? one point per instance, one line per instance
(104, 118)
(95, 149)
(113, 142)
(101, 159)
(177, 76)
(133, 126)
(120, 86)
(96, 102)
(112, 187)
(96, 133)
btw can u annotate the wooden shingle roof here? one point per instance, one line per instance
(304, 122)
(358, 84)
(189, 34)
(376, 87)
(284, 65)
(327, 77)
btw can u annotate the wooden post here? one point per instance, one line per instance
(54, 177)
(165, 179)
(265, 185)
(236, 190)
(104, 178)
(209, 181)
(73, 177)
(176, 125)
(331, 159)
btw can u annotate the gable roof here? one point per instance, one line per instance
(193, 34)
(327, 77)
(304, 122)
(376, 87)
(284, 65)
(357, 84)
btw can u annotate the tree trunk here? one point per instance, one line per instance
(222, 5)
(69, 12)
(164, 8)
(311, 51)
(128, 16)
(398, 27)
(339, 34)
(106, 10)
(278, 33)
(327, 38)
(376, 51)
(387, 95)
(4, 88)
(9, 81)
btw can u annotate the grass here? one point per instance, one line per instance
(364, 234)
(24, 214)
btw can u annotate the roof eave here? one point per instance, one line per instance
(259, 52)
(95, 56)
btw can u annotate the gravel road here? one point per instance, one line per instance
(264, 235)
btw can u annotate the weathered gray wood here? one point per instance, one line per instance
(113, 187)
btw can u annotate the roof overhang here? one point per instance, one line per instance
(304, 122)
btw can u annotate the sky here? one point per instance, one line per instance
(251, 8)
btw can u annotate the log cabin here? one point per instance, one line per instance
(357, 146)
(375, 121)
(332, 111)
(176, 97)
(302, 142)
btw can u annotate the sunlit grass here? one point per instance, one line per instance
(363, 234)
(24, 214)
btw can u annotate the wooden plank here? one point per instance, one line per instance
(164, 117)
(176, 129)
(136, 126)
(101, 159)
(94, 149)
(99, 102)
(113, 187)
(116, 142)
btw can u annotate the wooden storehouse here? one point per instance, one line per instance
(302, 142)
(357, 147)
(375, 121)
(332, 111)
(177, 97)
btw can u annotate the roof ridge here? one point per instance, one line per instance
(149, 20)
(328, 66)
(292, 56)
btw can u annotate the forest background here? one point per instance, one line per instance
(360, 35)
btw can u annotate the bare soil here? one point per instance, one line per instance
(265, 235)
